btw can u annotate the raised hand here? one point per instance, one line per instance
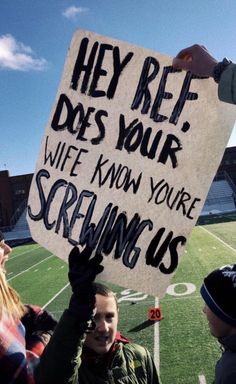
(196, 59)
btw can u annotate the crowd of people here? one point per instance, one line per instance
(85, 346)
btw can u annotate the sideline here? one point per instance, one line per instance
(156, 347)
(28, 269)
(216, 237)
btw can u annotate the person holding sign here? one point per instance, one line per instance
(219, 293)
(198, 60)
(86, 347)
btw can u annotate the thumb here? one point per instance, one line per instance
(181, 64)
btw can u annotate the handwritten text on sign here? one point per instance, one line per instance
(125, 163)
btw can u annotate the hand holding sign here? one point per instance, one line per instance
(196, 59)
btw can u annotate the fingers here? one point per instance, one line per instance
(73, 255)
(184, 58)
(79, 258)
(182, 64)
(185, 52)
(97, 259)
(83, 268)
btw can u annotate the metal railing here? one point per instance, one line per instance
(18, 212)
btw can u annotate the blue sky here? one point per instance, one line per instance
(35, 36)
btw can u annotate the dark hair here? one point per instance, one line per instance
(103, 290)
(1, 236)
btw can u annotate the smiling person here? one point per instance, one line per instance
(219, 294)
(86, 346)
(200, 62)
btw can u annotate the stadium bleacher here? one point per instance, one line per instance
(220, 198)
(20, 232)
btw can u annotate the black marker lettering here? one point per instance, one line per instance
(78, 120)
(142, 89)
(98, 71)
(40, 214)
(81, 67)
(58, 184)
(118, 68)
(161, 94)
(169, 151)
(77, 162)
(184, 95)
(173, 254)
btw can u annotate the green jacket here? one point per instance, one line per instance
(227, 85)
(61, 361)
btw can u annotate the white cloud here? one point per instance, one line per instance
(17, 56)
(72, 12)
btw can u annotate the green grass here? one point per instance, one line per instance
(187, 350)
(185, 342)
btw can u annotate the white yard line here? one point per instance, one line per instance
(32, 266)
(216, 237)
(23, 253)
(202, 379)
(57, 294)
(156, 349)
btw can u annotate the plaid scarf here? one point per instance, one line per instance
(16, 363)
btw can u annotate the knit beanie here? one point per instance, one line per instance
(219, 293)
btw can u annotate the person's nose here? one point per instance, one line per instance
(102, 326)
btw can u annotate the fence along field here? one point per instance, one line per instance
(187, 351)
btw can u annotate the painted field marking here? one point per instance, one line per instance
(184, 297)
(156, 347)
(57, 294)
(202, 379)
(127, 295)
(28, 269)
(216, 237)
(23, 253)
(190, 288)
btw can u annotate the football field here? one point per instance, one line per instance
(182, 347)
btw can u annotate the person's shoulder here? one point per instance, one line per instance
(136, 349)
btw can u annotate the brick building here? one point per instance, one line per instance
(14, 191)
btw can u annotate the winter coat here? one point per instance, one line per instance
(22, 343)
(227, 85)
(62, 363)
(225, 371)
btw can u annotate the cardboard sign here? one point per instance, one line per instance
(128, 156)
